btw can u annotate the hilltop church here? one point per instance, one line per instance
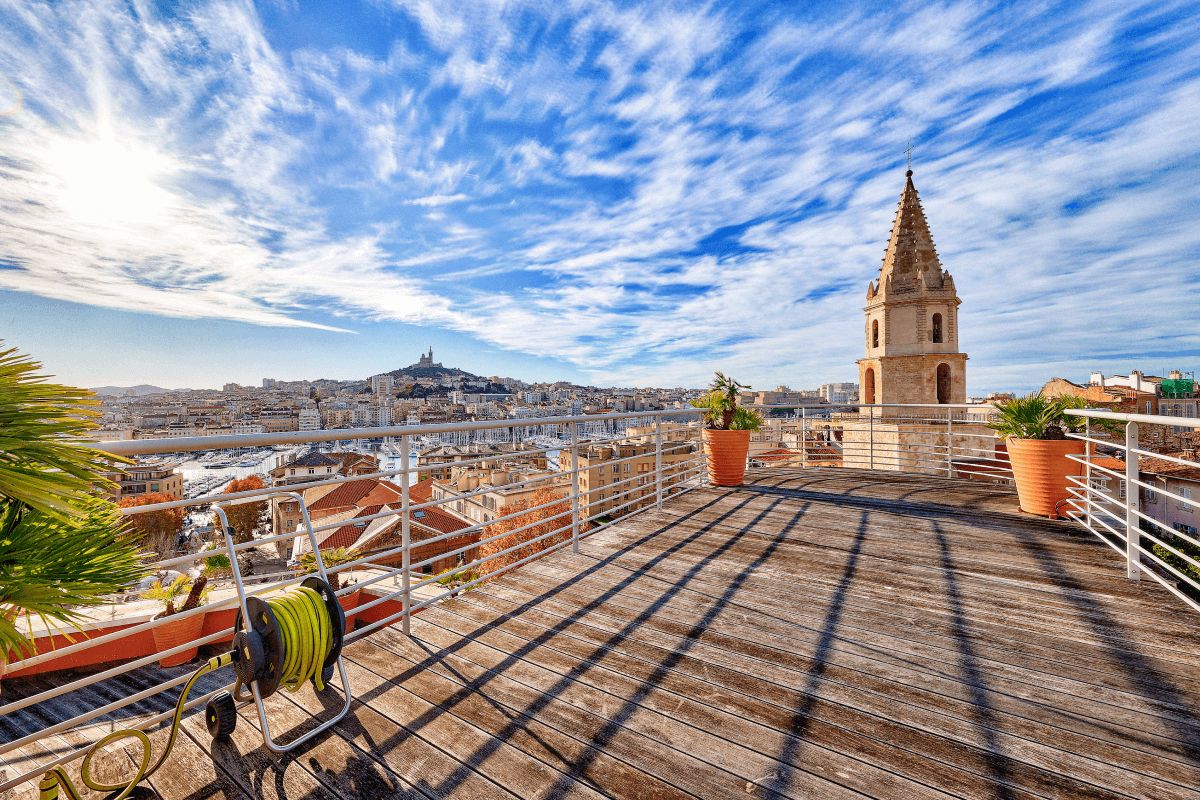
(426, 361)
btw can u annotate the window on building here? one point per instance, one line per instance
(869, 386)
(1186, 493)
(874, 333)
(937, 328)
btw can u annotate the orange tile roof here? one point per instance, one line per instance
(348, 534)
(353, 493)
(1169, 469)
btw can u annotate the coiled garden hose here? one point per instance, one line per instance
(57, 778)
(307, 636)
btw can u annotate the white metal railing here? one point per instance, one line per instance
(1115, 502)
(670, 461)
(949, 440)
(946, 440)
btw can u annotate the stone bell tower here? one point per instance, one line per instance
(912, 319)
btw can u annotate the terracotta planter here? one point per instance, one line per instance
(725, 452)
(1040, 468)
(175, 633)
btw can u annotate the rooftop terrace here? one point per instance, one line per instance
(816, 633)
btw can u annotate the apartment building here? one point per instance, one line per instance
(309, 419)
(495, 453)
(382, 385)
(1178, 479)
(311, 466)
(839, 393)
(148, 479)
(278, 420)
(620, 476)
(499, 489)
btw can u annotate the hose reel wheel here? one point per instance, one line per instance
(258, 648)
(220, 715)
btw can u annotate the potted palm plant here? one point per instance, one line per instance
(181, 630)
(63, 548)
(1034, 428)
(727, 428)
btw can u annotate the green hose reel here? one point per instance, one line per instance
(288, 640)
(281, 641)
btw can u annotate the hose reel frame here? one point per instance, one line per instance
(258, 647)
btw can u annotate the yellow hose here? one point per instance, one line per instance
(307, 636)
(57, 777)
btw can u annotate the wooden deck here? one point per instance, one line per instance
(815, 634)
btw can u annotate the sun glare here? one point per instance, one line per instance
(109, 184)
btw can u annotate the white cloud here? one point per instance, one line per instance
(657, 192)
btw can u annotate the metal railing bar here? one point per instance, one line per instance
(121, 669)
(1149, 419)
(1142, 515)
(185, 444)
(465, 567)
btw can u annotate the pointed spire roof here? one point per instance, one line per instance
(910, 250)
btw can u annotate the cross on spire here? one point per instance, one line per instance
(908, 155)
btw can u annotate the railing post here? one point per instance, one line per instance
(658, 462)
(949, 443)
(574, 428)
(803, 436)
(1087, 474)
(1133, 532)
(871, 434)
(405, 539)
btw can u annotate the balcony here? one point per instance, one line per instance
(817, 633)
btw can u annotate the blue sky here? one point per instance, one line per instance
(610, 193)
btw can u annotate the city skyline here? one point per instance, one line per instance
(610, 197)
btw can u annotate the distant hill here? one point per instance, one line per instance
(129, 391)
(441, 373)
(446, 377)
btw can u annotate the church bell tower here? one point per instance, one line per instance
(912, 319)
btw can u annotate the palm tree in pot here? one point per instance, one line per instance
(177, 629)
(1034, 428)
(727, 428)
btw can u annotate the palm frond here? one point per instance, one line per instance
(43, 463)
(62, 547)
(1032, 416)
(51, 569)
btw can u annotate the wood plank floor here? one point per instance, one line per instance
(815, 634)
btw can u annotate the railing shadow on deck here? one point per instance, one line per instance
(472, 686)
